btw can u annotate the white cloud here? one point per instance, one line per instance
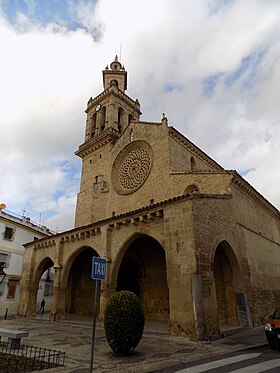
(170, 49)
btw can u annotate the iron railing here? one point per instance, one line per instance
(23, 358)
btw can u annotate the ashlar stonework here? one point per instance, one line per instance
(196, 242)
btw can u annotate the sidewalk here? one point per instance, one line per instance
(156, 350)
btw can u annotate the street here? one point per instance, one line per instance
(256, 360)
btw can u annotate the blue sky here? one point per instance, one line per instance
(41, 11)
(212, 66)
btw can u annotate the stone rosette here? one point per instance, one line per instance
(132, 167)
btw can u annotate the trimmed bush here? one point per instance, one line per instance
(124, 322)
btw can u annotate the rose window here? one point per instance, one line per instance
(132, 167)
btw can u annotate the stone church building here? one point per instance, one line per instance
(197, 243)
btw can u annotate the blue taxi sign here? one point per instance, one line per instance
(98, 269)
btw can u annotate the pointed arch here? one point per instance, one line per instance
(120, 119)
(227, 282)
(103, 118)
(141, 267)
(71, 260)
(44, 265)
(79, 287)
(93, 125)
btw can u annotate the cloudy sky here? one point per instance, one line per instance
(212, 66)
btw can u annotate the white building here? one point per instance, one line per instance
(14, 232)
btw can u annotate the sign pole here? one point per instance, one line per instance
(94, 323)
(98, 273)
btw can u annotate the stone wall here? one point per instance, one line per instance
(260, 228)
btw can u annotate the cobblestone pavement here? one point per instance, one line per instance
(156, 350)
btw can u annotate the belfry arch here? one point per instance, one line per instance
(228, 283)
(142, 270)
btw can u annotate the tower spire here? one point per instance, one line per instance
(115, 75)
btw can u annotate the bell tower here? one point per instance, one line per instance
(111, 111)
(108, 115)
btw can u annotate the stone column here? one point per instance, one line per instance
(198, 306)
(58, 304)
(106, 290)
(112, 116)
(88, 130)
(98, 123)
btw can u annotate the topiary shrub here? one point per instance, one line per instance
(124, 322)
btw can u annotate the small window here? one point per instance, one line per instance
(193, 164)
(5, 259)
(120, 118)
(48, 290)
(192, 189)
(9, 233)
(12, 287)
(114, 81)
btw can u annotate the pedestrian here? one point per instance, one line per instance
(42, 307)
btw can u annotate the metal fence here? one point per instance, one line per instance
(22, 358)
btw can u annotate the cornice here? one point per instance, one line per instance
(251, 192)
(142, 215)
(176, 135)
(42, 243)
(92, 102)
(109, 135)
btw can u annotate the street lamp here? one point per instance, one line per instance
(2, 274)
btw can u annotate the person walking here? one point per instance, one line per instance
(42, 307)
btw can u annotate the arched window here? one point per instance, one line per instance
(192, 189)
(103, 118)
(93, 125)
(120, 119)
(193, 164)
(114, 82)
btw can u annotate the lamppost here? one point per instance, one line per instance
(2, 273)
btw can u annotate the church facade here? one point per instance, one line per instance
(197, 243)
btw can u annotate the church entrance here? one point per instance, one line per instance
(80, 286)
(226, 271)
(143, 271)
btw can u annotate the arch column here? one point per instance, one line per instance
(58, 304)
(112, 115)
(59, 288)
(198, 306)
(87, 132)
(98, 123)
(27, 301)
(106, 290)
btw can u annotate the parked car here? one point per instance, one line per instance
(272, 329)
